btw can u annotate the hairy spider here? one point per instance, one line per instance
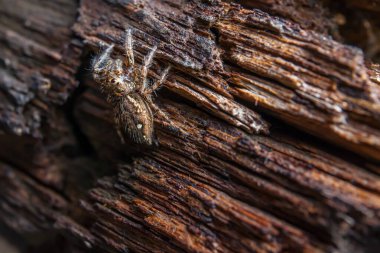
(128, 91)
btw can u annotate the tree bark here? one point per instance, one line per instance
(270, 143)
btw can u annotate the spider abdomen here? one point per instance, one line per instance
(134, 118)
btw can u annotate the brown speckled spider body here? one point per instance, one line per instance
(127, 89)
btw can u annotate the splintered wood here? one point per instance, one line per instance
(267, 139)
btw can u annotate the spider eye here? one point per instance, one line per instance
(139, 126)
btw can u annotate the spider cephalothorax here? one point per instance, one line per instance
(127, 89)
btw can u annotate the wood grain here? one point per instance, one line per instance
(270, 143)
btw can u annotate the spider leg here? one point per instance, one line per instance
(120, 136)
(159, 82)
(156, 109)
(118, 128)
(144, 70)
(102, 61)
(129, 60)
(166, 120)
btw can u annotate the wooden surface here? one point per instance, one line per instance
(272, 142)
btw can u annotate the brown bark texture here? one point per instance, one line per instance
(270, 143)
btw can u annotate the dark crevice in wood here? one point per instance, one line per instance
(84, 143)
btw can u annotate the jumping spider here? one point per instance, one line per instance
(128, 91)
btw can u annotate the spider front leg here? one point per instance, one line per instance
(144, 70)
(103, 61)
(129, 60)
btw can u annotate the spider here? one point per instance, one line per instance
(128, 91)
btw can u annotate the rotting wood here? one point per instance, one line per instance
(228, 175)
(306, 79)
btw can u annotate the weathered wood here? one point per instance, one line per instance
(234, 170)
